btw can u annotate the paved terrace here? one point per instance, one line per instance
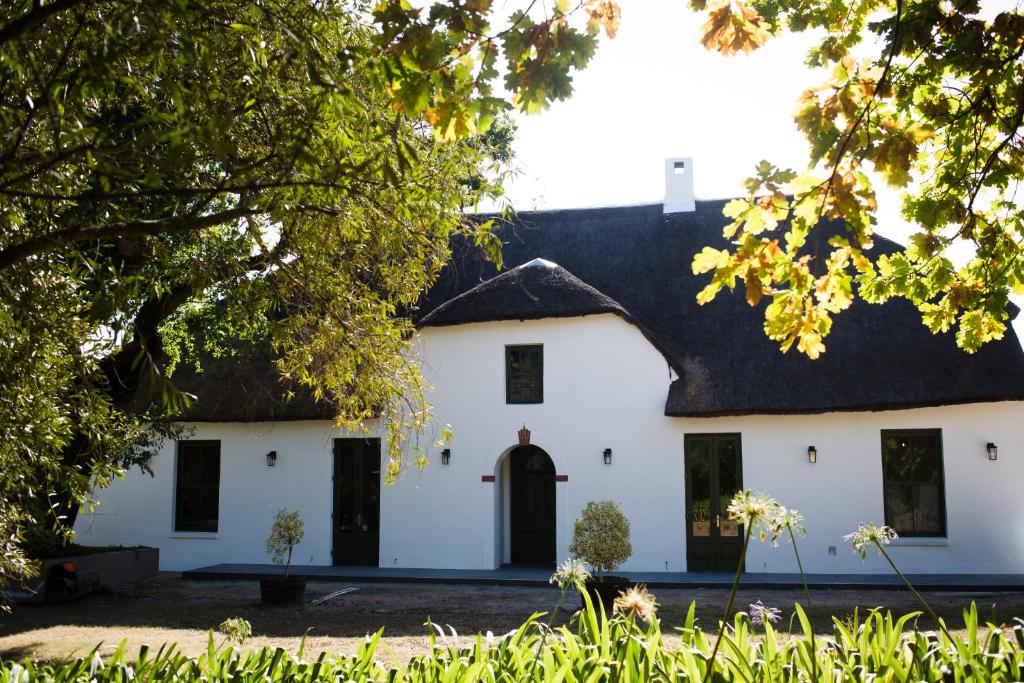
(538, 576)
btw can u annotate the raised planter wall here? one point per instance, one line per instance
(115, 568)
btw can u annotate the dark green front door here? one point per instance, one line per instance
(356, 501)
(714, 473)
(532, 506)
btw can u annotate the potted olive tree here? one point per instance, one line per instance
(285, 533)
(600, 538)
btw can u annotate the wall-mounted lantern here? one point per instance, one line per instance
(993, 452)
(446, 456)
(607, 456)
(271, 458)
(812, 454)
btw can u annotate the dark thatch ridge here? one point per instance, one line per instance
(879, 356)
(537, 289)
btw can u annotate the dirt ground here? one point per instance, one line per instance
(172, 610)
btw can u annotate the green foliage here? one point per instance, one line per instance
(595, 648)
(197, 177)
(600, 537)
(286, 532)
(442, 61)
(938, 112)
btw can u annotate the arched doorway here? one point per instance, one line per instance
(532, 506)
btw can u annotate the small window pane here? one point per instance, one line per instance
(197, 497)
(914, 494)
(524, 374)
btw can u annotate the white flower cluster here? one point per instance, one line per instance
(870, 536)
(572, 574)
(760, 511)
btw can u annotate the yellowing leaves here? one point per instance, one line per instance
(754, 288)
(710, 259)
(932, 106)
(734, 27)
(604, 13)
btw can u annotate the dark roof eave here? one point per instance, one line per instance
(862, 408)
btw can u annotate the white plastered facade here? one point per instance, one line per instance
(604, 387)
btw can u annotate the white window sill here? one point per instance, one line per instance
(921, 541)
(195, 534)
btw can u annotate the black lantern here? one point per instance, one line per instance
(607, 456)
(812, 454)
(993, 452)
(446, 456)
(271, 458)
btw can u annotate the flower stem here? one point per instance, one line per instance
(544, 636)
(728, 605)
(920, 598)
(807, 596)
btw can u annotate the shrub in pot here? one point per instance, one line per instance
(285, 533)
(600, 538)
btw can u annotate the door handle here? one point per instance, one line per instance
(718, 521)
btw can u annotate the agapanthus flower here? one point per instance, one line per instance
(783, 519)
(760, 614)
(762, 513)
(572, 574)
(637, 602)
(757, 511)
(870, 536)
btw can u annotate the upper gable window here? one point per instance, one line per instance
(913, 487)
(524, 374)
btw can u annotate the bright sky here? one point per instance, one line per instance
(655, 92)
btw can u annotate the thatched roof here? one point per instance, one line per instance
(536, 289)
(635, 262)
(879, 356)
(245, 387)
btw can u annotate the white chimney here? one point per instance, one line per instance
(679, 185)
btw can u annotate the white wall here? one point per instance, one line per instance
(139, 510)
(604, 387)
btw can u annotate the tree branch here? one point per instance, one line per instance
(38, 245)
(34, 17)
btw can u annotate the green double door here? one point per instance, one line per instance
(714, 473)
(356, 517)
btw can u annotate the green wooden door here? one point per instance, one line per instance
(356, 501)
(532, 506)
(714, 473)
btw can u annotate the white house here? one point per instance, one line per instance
(592, 351)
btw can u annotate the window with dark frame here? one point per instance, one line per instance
(524, 374)
(913, 484)
(197, 499)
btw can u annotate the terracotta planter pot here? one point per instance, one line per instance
(283, 590)
(607, 590)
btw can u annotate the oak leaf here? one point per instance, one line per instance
(733, 27)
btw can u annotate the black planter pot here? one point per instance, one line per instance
(283, 590)
(607, 590)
